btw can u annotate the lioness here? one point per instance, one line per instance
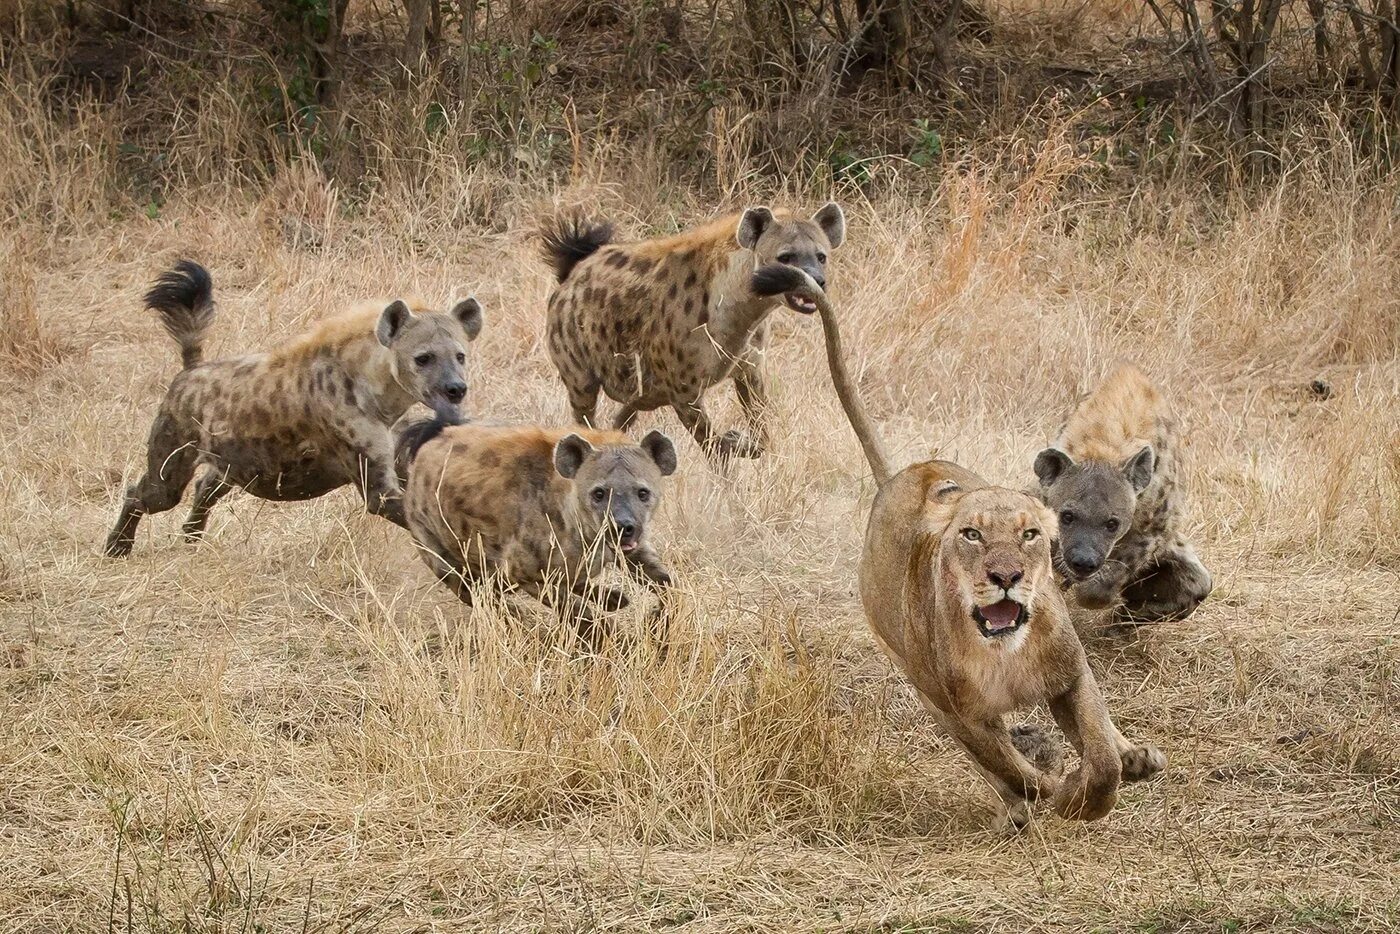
(958, 590)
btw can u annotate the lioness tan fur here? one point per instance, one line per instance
(943, 549)
(958, 590)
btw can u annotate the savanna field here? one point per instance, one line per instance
(291, 727)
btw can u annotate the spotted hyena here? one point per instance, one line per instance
(540, 510)
(298, 421)
(1112, 479)
(659, 322)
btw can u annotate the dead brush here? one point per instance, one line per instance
(28, 344)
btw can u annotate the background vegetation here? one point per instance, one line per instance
(291, 729)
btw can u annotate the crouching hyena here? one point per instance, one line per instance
(300, 421)
(1112, 479)
(659, 322)
(542, 511)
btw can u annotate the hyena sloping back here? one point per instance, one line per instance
(304, 419)
(659, 322)
(1113, 479)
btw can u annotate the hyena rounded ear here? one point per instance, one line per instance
(569, 455)
(391, 322)
(752, 225)
(662, 451)
(1138, 468)
(1050, 464)
(468, 313)
(832, 220)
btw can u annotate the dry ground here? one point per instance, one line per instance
(291, 728)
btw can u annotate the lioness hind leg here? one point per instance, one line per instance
(995, 755)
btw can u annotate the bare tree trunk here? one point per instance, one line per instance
(468, 12)
(416, 37)
(325, 54)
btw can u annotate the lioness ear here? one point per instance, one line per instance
(944, 491)
(752, 225)
(391, 322)
(569, 455)
(832, 220)
(1138, 468)
(1050, 464)
(468, 314)
(660, 449)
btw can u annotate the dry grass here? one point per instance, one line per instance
(291, 729)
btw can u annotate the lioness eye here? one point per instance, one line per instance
(1066, 517)
(599, 495)
(643, 494)
(1112, 525)
(423, 359)
(972, 535)
(1031, 535)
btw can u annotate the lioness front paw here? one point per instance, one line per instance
(1084, 796)
(1142, 762)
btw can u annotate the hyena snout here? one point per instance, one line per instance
(1083, 560)
(455, 392)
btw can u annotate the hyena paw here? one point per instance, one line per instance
(1142, 762)
(1039, 748)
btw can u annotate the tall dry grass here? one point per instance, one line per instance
(291, 728)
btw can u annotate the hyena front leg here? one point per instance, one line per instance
(721, 449)
(752, 390)
(375, 475)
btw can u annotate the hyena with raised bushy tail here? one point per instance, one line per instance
(298, 421)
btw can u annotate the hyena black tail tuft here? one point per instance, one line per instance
(184, 299)
(571, 238)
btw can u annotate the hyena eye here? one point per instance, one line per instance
(1031, 535)
(423, 359)
(821, 258)
(1112, 525)
(971, 535)
(643, 494)
(786, 258)
(599, 494)
(461, 357)
(1066, 518)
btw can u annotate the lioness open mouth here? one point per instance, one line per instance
(999, 619)
(799, 303)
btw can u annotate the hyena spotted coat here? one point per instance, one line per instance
(300, 420)
(659, 322)
(1112, 478)
(540, 510)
